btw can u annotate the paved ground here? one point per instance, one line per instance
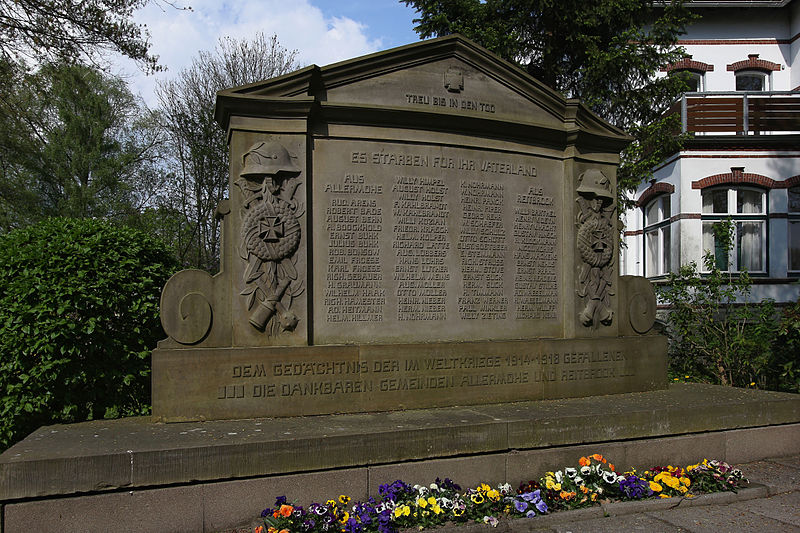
(771, 504)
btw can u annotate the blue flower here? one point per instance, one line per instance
(520, 505)
(532, 496)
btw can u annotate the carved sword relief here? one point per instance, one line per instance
(270, 236)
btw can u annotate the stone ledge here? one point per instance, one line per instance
(135, 453)
(614, 509)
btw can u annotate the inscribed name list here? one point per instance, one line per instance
(419, 243)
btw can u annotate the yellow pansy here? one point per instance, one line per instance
(493, 495)
(655, 487)
(686, 481)
(477, 498)
(432, 500)
(422, 502)
(436, 509)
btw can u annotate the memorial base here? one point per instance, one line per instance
(229, 383)
(139, 476)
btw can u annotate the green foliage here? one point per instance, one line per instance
(716, 334)
(784, 372)
(78, 316)
(607, 54)
(73, 143)
(45, 30)
(652, 144)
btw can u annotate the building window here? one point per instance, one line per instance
(794, 229)
(694, 80)
(657, 242)
(751, 80)
(747, 210)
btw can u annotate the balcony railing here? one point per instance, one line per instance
(739, 113)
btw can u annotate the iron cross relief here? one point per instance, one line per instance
(271, 228)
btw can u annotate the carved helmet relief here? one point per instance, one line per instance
(270, 235)
(596, 247)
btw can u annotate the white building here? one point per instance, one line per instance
(743, 161)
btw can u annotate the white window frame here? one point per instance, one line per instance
(765, 76)
(659, 230)
(793, 220)
(709, 217)
(699, 76)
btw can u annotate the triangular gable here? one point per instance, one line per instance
(450, 75)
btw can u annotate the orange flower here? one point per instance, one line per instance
(584, 489)
(275, 514)
(284, 531)
(286, 510)
(597, 457)
(259, 529)
(583, 461)
(611, 466)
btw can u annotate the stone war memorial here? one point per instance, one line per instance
(420, 228)
(419, 278)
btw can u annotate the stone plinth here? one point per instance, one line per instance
(209, 476)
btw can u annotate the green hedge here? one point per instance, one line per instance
(78, 318)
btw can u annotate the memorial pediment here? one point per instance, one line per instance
(451, 77)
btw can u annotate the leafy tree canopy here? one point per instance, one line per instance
(36, 31)
(73, 142)
(607, 53)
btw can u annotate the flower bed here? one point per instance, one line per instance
(399, 505)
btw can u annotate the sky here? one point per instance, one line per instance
(322, 31)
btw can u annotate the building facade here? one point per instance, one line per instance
(743, 159)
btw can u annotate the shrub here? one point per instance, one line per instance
(785, 372)
(78, 317)
(716, 334)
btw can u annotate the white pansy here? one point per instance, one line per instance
(609, 477)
